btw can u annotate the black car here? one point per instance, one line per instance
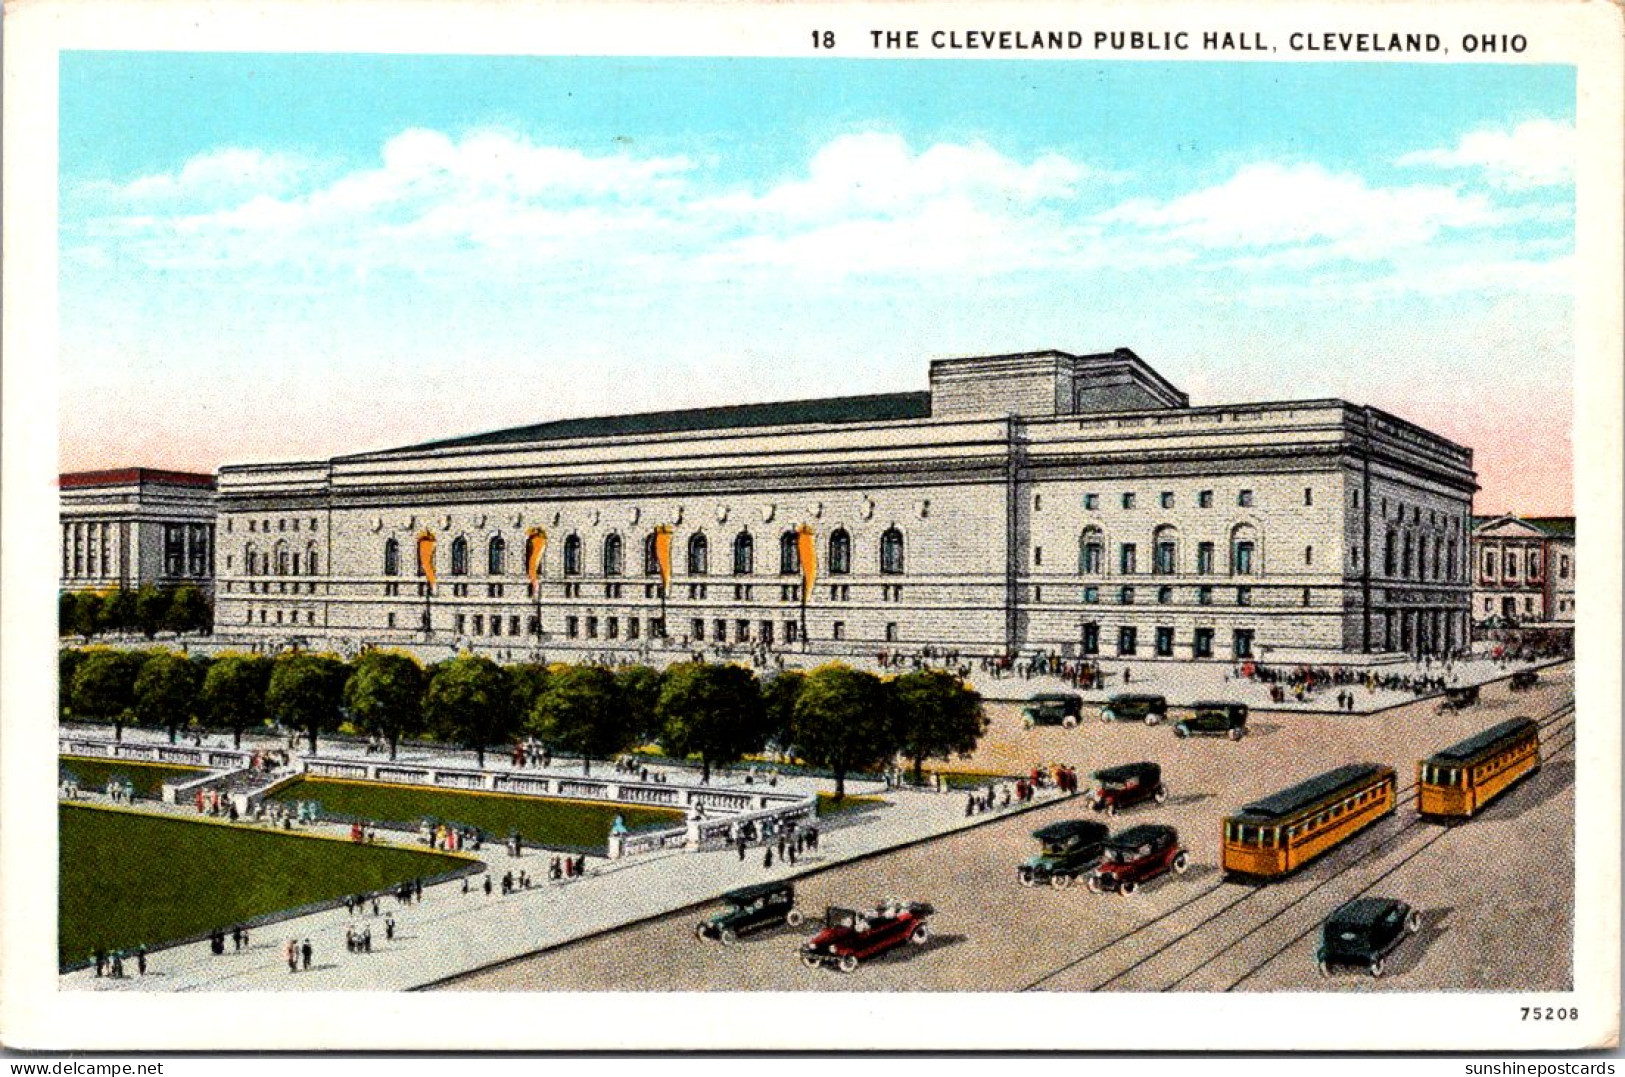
(752, 908)
(1052, 708)
(1066, 850)
(1364, 932)
(1135, 707)
(1214, 720)
(1525, 679)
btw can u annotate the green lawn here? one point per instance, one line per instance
(828, 805)
(555, 823)
(148, 778)
(128, 878)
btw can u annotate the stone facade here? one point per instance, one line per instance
(1524, 570)
(1074, 504)
(134, 526)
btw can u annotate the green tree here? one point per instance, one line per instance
(712, 711)
(104, 687)
(526, 683)
(233, 693)
(779, 697)
(166, 691)
(151, 609)
(117, 612)
(385, 695)
(305, 693)
(640, 688)
(937, 715)
(470, 702)
(581, 712)
(67, 612)
(68, 660)
(843, 722)
(189, 611)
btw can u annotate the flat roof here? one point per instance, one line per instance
(124, 476)
(1476, 743)
(1306, 793)
(879, 407)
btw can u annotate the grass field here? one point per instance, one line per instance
(148, 778)
(128, 878)
(554, 823)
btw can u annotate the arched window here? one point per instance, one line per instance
(891, 552)
(744, 554)
(1165, 550)
(789, 554)
(459, 556)
(1091, 551)
(651, 558)
(1243, 550)
(614, 561)
(310, 559)
(496, 556)
(572, 555)
(281, 560)
(699, 555)
(392, 557)
(840, 552)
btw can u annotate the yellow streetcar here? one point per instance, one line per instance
(1281, 833)
(1457, 782)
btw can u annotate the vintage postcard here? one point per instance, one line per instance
(924, 526)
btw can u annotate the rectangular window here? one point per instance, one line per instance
(838, 630)
(1091, 594)
(1204, 596)
(1125, 596)
(392, 620)
(513, 625)
(1202, 643)
(592, 627)
(1306, 596)
(479, 624)
(1244, 596)
(741, 630)
(1242, 643)
(1165, 595)
(891, 631)
(1163, 558)
(612, 627)
(1167, 499)
(790, 628)
(1204, 500)
(1308, 555)
(572, 627)
(719, 630)
(1245, 499)
(1093, 555)
(1242, 560)
(1091, 502)
(1165, 642)
(1128, 501)
(1126, 639)
(1038, 555)
(1091, 638)
(1126, 558)
(1308, 495)
(1204, 558)
(696, 629)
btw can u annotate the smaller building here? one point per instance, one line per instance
(129, 527)
(1523, 572)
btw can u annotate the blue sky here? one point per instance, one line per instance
(355, 251)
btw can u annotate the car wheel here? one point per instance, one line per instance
(1025, 878)
(919, 935)
(849, 963)
(1181, 731)
(794, 918)
(1094, 885)
(1106, 716)
(809, 960)
(1127, 887)
(728, 937)
(1069, 722)
(1235, 734)
(1098, 805)
(1152, 719)
(1182, 863)
(1026, 723)
(1377, 967)
(699, 932)
(1111, 809)
(1060, 881)
(1324, 967)
(1161, 795)
(1413, 922)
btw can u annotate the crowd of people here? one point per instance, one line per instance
(110, 963)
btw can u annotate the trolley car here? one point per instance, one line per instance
(1457, 782)
(1279, 834)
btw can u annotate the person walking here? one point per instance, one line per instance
(389, 929)
(488, 884)
(141, 959)
(305, 952)
(101, 961)
(366, 939)
(292, 953)
(767, 857)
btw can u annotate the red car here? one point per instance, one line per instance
(1121, 787)
(1136, 855)
(850, 936)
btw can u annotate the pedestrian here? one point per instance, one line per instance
(781, 845)
(366, 939)
(417, 888)
(349, 938)
(305, 952)
(292, 952)
(792, 851)
(101, 961)
(349, 904)
(581, 864)
(741, 844)
(389, 929)
(245, 938)
(118, 964)
(465, 884)
(375, 904)
(488, 884)
(141, 960)
(767, 857)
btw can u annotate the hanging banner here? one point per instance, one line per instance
(808, 551)
(663, 555)
(426, 556)
(535, 545)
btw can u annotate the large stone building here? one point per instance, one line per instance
(1525, 570)
(1068, 503)
(133, 526)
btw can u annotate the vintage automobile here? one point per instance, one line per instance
(751, 908)
(1123, 786)
(1214, 720)
(1525, 679)
(1066, 850)
(1457, 699)
(1135, 707)
(1052, 708)
(1364, 932)
(850, 936)
(1136, 855)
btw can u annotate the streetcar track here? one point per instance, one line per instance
(1402, 796)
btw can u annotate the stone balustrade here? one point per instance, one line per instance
(138, 752)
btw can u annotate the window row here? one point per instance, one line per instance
(1129, 499)
(280, 562)
(1409, 557)
(283, 524)
(1164, 641)
(1166, 550)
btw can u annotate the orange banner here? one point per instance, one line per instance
(809, 560)
(663, 555)
(426, 556)
(535, 545)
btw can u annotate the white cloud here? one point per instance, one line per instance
(1305, 212)
(1536, 153)
(213, 177)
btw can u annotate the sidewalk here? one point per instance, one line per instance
(450, 932)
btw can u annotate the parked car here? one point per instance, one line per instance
(1525, 679)
(1136, 855)
(1214, 720)
(751, 908)
(1456, 699)
(850, 936)
(1123, 786)
(1135, 707)
(1066, 850)
(1052, 708)
(1364, 932)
